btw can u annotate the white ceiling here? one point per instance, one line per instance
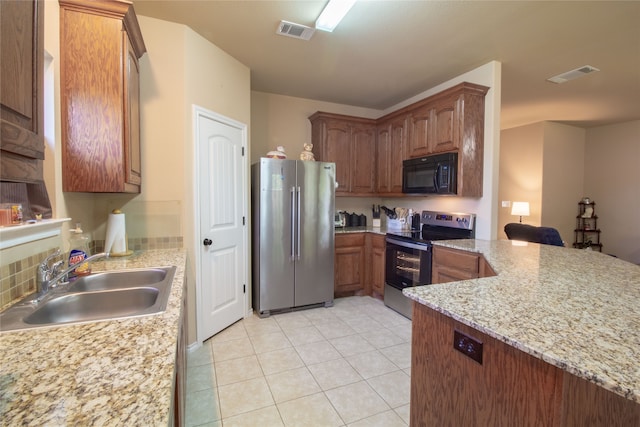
(384, 52)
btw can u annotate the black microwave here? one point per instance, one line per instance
(435, 174)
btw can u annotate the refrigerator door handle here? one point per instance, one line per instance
(298, 215)
(293, 224)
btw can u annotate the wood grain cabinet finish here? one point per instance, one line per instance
(350, 263)
(100, 44)
(349, 142)
(450, 265)
(450, 121)
(21, 90)
(390, 152)
(508, 388)
(376, 245)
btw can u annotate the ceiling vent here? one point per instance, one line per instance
(297, 31)
(573, 74)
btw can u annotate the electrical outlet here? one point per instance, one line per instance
(468, 346)
(506, 204)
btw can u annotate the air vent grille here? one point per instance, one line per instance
(573, 74)
(297, 31)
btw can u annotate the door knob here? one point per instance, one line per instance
(207, 242)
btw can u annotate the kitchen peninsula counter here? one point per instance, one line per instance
(99, 373)
(574, 309)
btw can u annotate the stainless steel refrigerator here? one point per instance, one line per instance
(293, 205)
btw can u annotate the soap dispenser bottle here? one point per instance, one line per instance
(78, 252)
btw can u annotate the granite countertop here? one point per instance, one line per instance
(575, 309)
(99, 373)
(367, 229)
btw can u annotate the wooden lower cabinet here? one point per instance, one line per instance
(350, 257)
(509, 387)
(359, 264)
(376, 247)
(450, 265)
(180, 378)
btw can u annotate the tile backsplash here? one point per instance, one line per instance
(18, 279)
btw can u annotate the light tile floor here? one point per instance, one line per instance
(346, 365)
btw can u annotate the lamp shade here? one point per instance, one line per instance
(520, 208)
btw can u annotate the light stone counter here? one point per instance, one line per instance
(577, 310)
(117, 372)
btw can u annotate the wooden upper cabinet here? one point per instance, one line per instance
(349, 142)
(445, 129)
(420, 131)
(390, 152)
(100, 43)
(369, 153)
(363, 137)
(21, 90)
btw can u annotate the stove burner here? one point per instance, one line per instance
(439, 226)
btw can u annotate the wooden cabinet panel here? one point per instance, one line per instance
(377, 262)
(508, 387)
(445, 129)
(349, 142)
(363, 139)
(420, 131)
(336, 147)
(390, 152)
(383, 150)
(133, 162)
(450, 265)
(100, 96)
(21, 90)
(350, 258)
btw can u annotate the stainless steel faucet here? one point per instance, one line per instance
(48, 277)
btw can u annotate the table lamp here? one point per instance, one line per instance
(520, 209)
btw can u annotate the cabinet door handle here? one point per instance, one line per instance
(207, 242)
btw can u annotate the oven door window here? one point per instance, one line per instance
(407, 266)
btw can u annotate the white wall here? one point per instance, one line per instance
(521, 155)
(284, 120)
(180, 69)
(562, 177)
(612, 180)
(543, 164)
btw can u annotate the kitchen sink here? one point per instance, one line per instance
(119, 279)
(100, 296)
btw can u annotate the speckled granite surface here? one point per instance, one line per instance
(116, 372)
(368, 229)
(577, 310)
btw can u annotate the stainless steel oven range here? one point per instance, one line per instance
(408, 254)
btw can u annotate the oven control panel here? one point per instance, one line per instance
(451, 220)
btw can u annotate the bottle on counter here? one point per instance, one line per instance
(78, 252)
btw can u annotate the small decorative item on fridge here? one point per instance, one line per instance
(307, 154)
(278, 153)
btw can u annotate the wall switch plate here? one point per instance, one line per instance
(468, 346)
(506, 204)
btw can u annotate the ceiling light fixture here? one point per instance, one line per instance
(333, 13)
(573, 74)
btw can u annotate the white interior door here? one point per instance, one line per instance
(223, 236)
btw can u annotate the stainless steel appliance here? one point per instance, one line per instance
(409, 254)
(435, 174)
(293, 204)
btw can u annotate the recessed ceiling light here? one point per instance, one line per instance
(573, 74)
(333, 13)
